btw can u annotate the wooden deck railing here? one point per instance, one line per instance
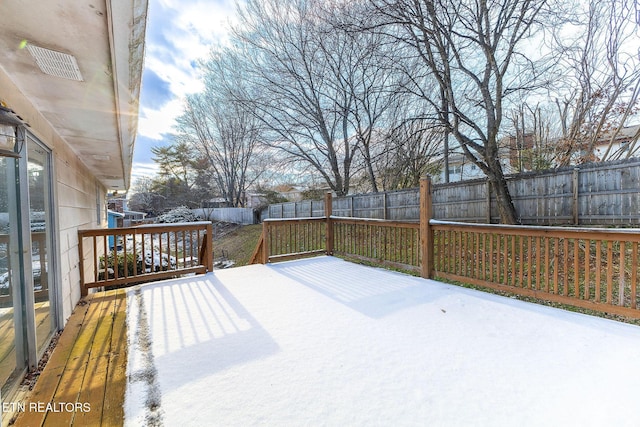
(284, 239)
(590, 268)
(124, 256)
(584, 267)
(390, 243)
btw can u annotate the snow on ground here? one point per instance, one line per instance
(326, 342)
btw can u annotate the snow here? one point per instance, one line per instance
(325, 342)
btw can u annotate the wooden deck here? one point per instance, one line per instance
(84, 381)
(7, 332)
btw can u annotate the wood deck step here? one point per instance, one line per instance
(84, 381)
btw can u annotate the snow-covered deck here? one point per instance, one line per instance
(325, 342)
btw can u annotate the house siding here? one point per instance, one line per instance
(76, 209)
(75, 195)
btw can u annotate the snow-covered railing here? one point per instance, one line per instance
(125, 256)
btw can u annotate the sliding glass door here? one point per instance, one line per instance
(39, 172)
(12, 326)
(27, 285)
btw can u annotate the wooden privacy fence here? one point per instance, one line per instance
(584, 267)
(606, 193)
(124, 256)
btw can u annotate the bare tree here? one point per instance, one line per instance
(294, 97)
(414, 149)
(473, 53)
(601, 79)
(320, 90)
(365, 68)
(225, 131)
(530, 144)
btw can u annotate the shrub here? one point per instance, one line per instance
(109, 266)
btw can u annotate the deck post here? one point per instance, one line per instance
(328, 211)
(209, 251)
(426, 236)
(265, 242)
(83, 288)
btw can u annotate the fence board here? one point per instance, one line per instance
(608, 194)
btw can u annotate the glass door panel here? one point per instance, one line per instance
(38, 168)
(11, 322)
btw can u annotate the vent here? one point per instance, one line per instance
(55, 63)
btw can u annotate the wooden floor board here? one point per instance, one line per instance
(113, 409)
(86, 369)
(95, 376)
(49, 380)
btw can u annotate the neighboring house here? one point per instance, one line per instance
(289, 192)
(133, 218)
(70, 78)
(461, 169)
(616, 146)
(216, 202)
(117, 204)
(526, 155)
(256, 200)
(114, 220)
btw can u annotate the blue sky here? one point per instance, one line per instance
(179, 33)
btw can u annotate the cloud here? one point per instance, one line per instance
(155, 90)
(143, 164)
(141, 170)
(156, 123)
(179, 33)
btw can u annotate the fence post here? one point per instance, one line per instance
(488, 201)
(328, 210)
(576, 218)
(384, 205)
(426, 237)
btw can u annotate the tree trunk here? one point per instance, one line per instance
(506, 208)
(372, 176)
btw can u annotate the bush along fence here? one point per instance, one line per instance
(125, 256)
(606, 193)
(590, 268)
